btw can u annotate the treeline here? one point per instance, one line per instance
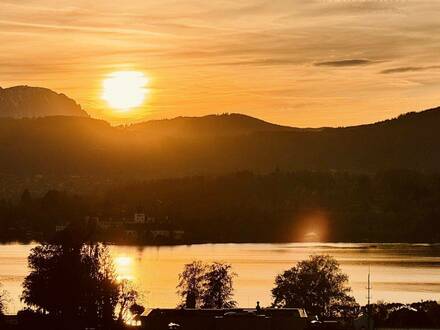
(391, 206)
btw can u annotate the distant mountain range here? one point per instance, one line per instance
(62, 145)
(25, 101)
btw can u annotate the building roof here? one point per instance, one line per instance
(293, 312)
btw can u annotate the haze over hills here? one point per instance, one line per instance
(81, 145)
(25, 101)
(61, 145)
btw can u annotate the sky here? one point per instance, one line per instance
(304, 63)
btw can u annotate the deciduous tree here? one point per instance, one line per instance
(206, 286)
(3, 300)
(218, 288)
(190, 286)
(316, 284)
(75, 283)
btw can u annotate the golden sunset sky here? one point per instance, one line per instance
(300, 63)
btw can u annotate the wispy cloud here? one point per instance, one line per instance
(343, 63)
(410, 69)
(261, 62)
(79, 28)
(251, 56)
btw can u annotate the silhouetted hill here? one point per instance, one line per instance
(31, 102)
(211, 125)
(214, 144)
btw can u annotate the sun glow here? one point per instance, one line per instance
(123, 261)
(125, 90)
(124, 268)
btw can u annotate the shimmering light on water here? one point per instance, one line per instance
(400, 272)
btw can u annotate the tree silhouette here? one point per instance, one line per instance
(218, 289)
(75, 284)
(190, 286)
(206, 286)
(3, 300)
(317, 284)
(136, 309)
(128, 296)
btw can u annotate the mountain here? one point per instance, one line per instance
(31, 102)
(82, 146)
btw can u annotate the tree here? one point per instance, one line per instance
(218, 289)
(128, 296)
(74, 283)
(190, 286)
(3, 300)
(206, 286)
(136, 309)
(423, 313)
(316, 284)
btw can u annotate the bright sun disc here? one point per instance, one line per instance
(125, 90)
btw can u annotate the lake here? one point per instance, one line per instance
(399, 272)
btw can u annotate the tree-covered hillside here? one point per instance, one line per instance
(394, 206)
(213, 145)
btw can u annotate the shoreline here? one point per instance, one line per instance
(299, 243)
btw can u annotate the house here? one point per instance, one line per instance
(111, 223)
(160, 234)
(139, 218)
(131, 233)
(59, 228)
(225, 319)
(178, 235)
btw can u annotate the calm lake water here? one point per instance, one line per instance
(399, 272)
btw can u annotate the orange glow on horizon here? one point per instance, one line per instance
(290, 62)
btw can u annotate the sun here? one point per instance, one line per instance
(125, 90)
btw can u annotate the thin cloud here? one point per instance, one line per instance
(410, 69)
(261, 62)
(344, 63)
(80, 28)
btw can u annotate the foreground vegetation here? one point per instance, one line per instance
(206, 286)
(72, 285)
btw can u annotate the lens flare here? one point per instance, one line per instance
(311, 226)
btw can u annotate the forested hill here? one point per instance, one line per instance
(213, 144)
(211, 125)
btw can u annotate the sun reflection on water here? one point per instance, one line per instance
(124, 268)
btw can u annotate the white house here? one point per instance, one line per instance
(139, 218)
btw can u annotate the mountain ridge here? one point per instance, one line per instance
(232, 122)
(31, 102)
(80, 145)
